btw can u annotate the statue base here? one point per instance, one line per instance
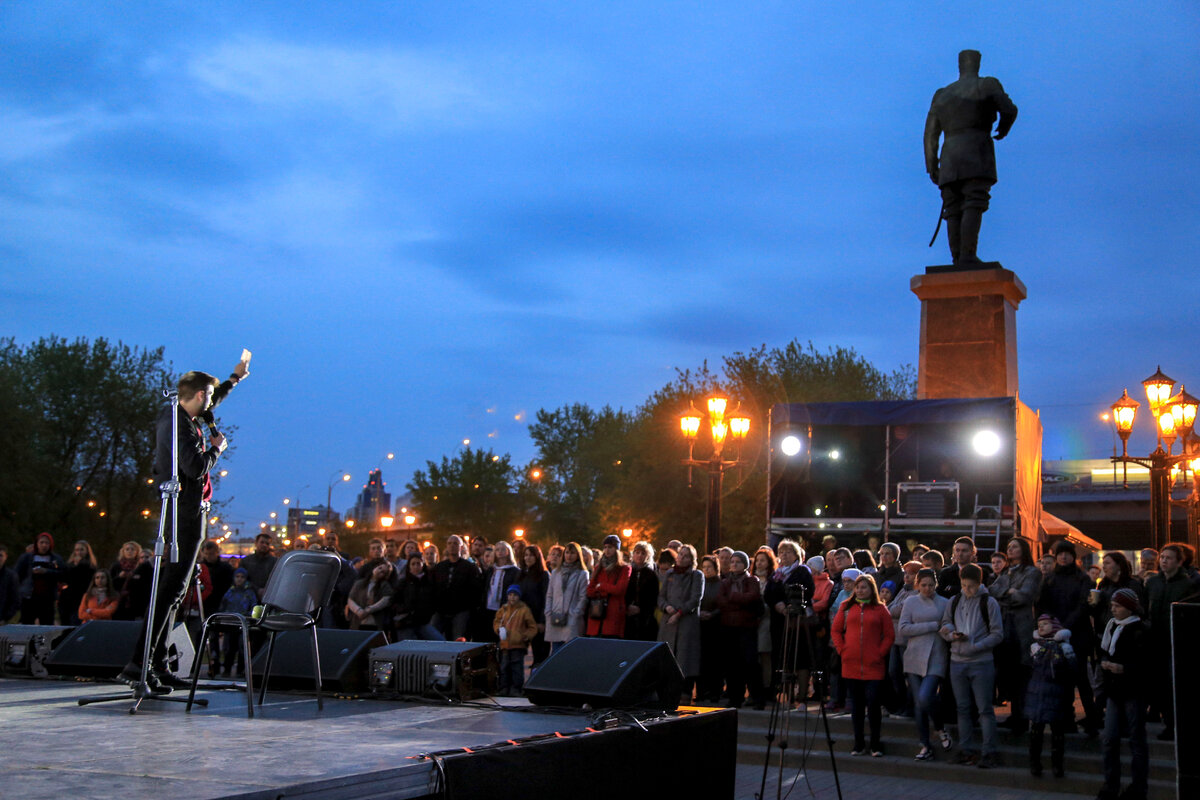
(968, 331)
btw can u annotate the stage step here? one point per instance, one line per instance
(1083, 770)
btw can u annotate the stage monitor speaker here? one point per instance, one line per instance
(25, 648)
(608, 673)
(96, 649)
(1185, 647)
(343, 659)
(464, 670)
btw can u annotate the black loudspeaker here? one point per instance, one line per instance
(343, 659)
(608, 673)
(96, 649)
(1185, 647)
(25, 648)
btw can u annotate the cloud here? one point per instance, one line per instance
(397, 87)
(25, 136)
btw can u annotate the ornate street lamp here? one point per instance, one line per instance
(720, 430)
(1174, 419)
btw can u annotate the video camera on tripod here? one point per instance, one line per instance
(795, 598)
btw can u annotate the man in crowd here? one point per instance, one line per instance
(478, 545)
(1064, 595)
(973, 626)
(1169, 585)
(962, 555)
(457, 591)
(260, 563)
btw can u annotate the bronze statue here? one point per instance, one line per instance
(964, 113)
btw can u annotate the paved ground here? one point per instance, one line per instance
(821, 784)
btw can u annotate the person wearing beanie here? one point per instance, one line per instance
(515, 626)
(846, 590)
(38, 574)
(1125, 677)
(1050, 696)
(606, 592)
(239, 598)
(889, 568)
(1064, 595)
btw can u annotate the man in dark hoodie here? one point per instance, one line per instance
(1064, 595)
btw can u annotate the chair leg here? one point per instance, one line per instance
(316, 666)
(249, 671)
(195, 677)
(262, 693)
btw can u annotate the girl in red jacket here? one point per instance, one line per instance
(863, 636)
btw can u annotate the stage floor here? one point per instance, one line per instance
(54, 748)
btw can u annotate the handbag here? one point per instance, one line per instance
(597, 607)
(558, 620)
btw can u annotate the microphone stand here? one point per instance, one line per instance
(170, 497)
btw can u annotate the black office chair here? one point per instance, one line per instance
(300, 586)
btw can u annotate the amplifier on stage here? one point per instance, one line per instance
(927, 499)
(461, 670)
(25, 648)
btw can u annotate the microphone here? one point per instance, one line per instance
(207, 416)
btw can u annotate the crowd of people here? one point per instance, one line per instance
(943, 642)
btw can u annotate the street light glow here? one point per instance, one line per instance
(790, 445)
(409, 519)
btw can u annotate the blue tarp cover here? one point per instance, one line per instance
(895, 412)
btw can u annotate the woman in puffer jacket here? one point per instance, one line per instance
(863, 635)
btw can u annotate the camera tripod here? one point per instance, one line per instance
(780, 722)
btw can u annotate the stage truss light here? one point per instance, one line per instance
(790, 445)
(986, 443)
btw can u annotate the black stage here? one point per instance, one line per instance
(354, 748)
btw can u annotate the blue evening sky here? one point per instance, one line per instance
(429, 220)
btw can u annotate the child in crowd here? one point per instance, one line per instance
(1050, 696)
(515, 626)
(240, 598)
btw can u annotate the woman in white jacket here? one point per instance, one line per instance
(566, 598)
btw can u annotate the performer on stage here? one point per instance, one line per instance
(198, 392)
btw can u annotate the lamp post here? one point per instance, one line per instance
(333, 479)
(1174, 418)
(720, 429)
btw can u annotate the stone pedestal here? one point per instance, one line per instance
(968, 331)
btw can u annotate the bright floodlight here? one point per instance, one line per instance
(790, 445)
(986, 443)
(835, 454)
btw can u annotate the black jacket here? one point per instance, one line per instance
(414, 601)
(1064, 594)
(196, 458)
(1132, 651)
(643, 593)
(10, 598)
(456, 586)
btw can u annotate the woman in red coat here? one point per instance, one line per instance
(609, 582)
(863, 636)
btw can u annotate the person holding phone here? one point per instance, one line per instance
(973, 626)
